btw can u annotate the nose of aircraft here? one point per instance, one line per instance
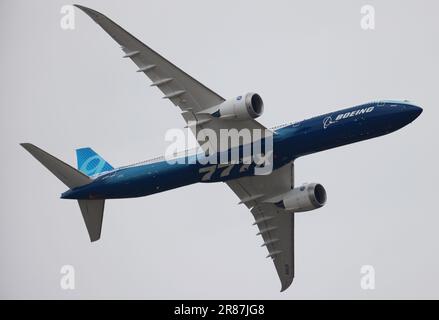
(413, 112)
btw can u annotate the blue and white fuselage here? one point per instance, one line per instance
(289, 143)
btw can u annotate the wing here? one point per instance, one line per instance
(184, 91)
(276, 226)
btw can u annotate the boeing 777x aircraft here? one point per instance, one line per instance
(272, 198)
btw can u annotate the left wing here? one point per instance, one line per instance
(184, 91)
(276, 226)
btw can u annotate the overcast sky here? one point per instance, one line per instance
(64, 89)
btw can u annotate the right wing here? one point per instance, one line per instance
(276, 226)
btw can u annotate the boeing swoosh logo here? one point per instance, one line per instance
(327, 122)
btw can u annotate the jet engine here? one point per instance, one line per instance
(249, 106)
(307, 197)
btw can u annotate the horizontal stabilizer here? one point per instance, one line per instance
(93, 214)
(71, 177)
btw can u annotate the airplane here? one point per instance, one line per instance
(272, 198)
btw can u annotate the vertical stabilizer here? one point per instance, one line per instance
(90, 163)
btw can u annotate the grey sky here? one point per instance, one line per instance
(67, 89)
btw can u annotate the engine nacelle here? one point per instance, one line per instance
(249, 106)
(307, 197)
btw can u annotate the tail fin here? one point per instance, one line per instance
(71, 177)
(90, 163)
(92, 210)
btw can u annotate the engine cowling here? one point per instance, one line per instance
(249, 106)
(307, 197)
